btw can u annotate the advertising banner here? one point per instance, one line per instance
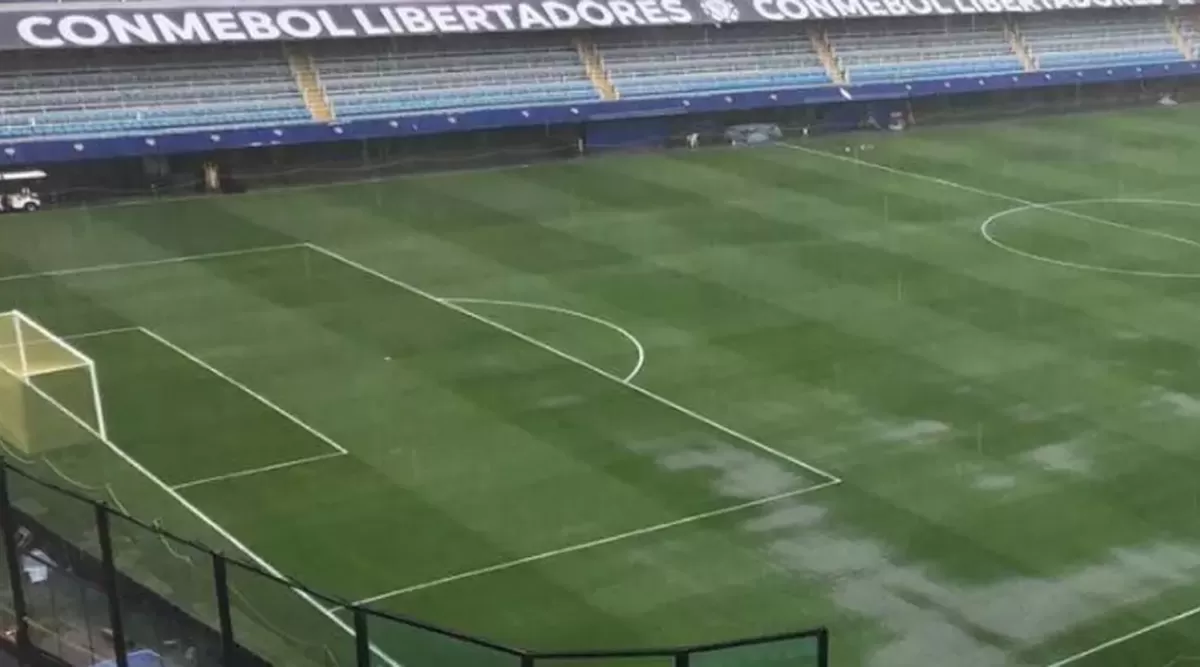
(63, 27)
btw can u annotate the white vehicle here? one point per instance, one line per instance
(16, 193)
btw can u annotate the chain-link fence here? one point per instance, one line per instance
(86, 585)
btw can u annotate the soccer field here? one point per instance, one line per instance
(939, 393)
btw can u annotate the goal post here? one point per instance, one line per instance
(49, 391)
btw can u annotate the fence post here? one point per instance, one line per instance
(682, 659)
(225, 618)
(362, 639)
(13, 558)
(527, 660)
(116, 623)
(823, 648)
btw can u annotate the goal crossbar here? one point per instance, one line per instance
(35, 371)
(19, 318)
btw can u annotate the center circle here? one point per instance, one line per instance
(984, 230)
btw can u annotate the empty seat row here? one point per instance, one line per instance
(882, 51)
(123, 126)
(137, 96)
(717, 83)
(1081, 59)
(388, 104)
(659, 63)
(449, 63)
(107, 78)
(1119, 37)
(418, 76)
(109, 92)
(916, 71)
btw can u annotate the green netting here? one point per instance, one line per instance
(48, 392)
(10, 351)
(43, 352)
(14, 425)
(60, 411)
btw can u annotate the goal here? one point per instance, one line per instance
(49, 393)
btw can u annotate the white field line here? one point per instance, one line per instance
(256, 471)
(101, 332)
(830, 479)
(149, 262)
(499, 567)
(998, 195)
(580, 362)
(46, 370)
(1126, 637)
(257, 396)
(637, 344)
(86, 334)
(378, 179)
(372, 179)
(1050, 206)
(987, 235)
(204, 518)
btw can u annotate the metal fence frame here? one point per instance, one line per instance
(98, 570)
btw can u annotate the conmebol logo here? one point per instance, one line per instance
(720, 11)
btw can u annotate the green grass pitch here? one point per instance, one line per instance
(940, 393)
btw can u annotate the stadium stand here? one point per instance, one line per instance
(879, 51)
(113, 92)
(668, 62)
(1188, 32)
(121, 91)
(378, 78)
(1116, 38)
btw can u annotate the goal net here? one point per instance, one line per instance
(49, 394)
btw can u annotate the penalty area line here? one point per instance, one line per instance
(250, 392)
(1046, 206)
(101, 332)
(149, 262)
(567, 356)
(583, 546)
(262, 469)
(1125, 637)
(212, 523)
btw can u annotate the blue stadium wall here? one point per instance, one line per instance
(635, 112)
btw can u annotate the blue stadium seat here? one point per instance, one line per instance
(1106, 39)
(915, 71)
(1080, 59)
(113, 92)
(694, 61)
(431, 76)
(118, 92)
(887, 51)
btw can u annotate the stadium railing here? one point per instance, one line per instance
(82, 583)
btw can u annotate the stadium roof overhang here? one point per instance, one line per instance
(92, 24)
